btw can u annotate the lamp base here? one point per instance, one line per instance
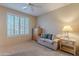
(67, 35)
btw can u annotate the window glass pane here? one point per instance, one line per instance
(10, 25)
(16, 25)
(21, 25)
(26, 26)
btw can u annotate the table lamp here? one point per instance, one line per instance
(67, 29)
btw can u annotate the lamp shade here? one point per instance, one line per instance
(67, 28)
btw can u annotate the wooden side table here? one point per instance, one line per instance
(68, 46)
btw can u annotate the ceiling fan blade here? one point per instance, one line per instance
(36, 6)
(33, 5)
(27, 5)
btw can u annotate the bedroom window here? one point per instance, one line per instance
(22, 25)
(10, 25)
(17, 25)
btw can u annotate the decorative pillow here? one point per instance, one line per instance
(43, 36)
(50, 36)
(47, 36)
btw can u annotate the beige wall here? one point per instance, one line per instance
(54, 21)
(4, 40)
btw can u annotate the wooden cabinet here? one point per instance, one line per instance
(36, 33)
(68, 46)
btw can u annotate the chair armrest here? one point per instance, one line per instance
(56, 40)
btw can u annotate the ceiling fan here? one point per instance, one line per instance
(30, 6)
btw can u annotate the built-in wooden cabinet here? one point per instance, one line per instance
(36, 32)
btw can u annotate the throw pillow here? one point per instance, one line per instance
(50, 36)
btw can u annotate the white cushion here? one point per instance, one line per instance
(47, 40)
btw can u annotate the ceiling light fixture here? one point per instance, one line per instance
(30, 6)
(25, 7)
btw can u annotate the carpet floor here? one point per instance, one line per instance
(31, 48)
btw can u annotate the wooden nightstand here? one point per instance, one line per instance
(68, 46)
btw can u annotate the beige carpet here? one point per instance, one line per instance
(31, 48)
